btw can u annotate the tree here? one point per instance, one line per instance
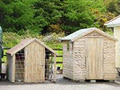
(15, 15)
(47, 13)
(43, 16)
(79, 14)
(114, 7)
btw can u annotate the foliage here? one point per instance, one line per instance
(10, 39)
(47, 13)
(16, 15)
(45, 16)
(52, 40)
(114, 7)
(76, 15)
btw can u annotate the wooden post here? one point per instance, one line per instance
(13, 68)
(51, 68)
(117, 35)
(54, 77)
(25, 65)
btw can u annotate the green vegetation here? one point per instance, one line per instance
(45, 16)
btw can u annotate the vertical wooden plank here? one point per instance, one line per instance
(99, 58)
(32, 68)
(35, 63)
(25, 63)
(43, 65)
(54, 77)
(13, 68)
(117, 35)
(94, 58)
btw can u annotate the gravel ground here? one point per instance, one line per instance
(61, 84)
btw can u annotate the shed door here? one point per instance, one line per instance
(94, 58)
(34, 63)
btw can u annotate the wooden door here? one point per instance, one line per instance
(34, 63)
(94, 64)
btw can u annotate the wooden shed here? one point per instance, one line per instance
(31, 61)
(89, 54)
(115, 24)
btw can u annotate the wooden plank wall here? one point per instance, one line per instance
(34, 63)
(54, 76)
(79, 59)
(94, 60)
(67, 61)
(109, 60)
(109, 70)
(117, 36)
(79, 64)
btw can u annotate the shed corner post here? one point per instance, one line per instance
(117, 35)
(54, 76)
(13, 68)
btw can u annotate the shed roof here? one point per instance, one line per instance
(82, 32)
(114, 22)
(25, 43)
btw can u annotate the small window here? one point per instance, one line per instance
(68, 45)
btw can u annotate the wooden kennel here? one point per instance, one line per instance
(31, 61)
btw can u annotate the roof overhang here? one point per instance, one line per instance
(96, 30)
(113, 22)
(21, 45)
(112, 25)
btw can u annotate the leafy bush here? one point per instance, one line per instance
(43, 16)
(10, 39)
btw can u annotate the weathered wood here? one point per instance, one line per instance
(11, 67)
(13, 76)
(26, 42)
(109, 60)
(117, 35)
(91, 31)
(79, 59)
(67, 61)
(54, 77)
(35, 63)
(75, 59)
(94, 59)
(32, 60)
